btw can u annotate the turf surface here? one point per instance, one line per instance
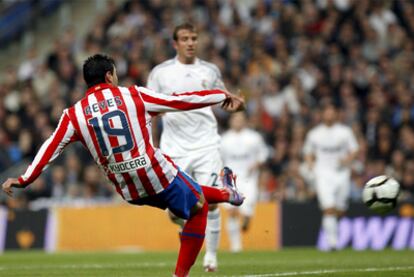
(289, 262)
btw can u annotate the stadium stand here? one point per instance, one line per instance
(287, 57)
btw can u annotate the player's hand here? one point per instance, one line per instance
(9, 185)
(233, 103)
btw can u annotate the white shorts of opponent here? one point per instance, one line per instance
(333, 189)
(203, 166)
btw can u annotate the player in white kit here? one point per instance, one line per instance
(244, 150)
(191, 138)
(329, 151)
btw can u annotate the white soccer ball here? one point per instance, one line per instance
(380, 194)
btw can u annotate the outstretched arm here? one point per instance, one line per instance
(50, 150)
(158, 103)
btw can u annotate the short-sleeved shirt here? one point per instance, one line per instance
(194, 130)
(329, 145)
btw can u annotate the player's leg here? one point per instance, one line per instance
(330, 226)
(342, 197)
(251, 189)
(325, 189)
(185, 165)
(227, 193)
(239, 219)
(186, 200)
(343, 193)
(234, 229)
(192, 235)
(206, 171)
(191, 238)
(245, 224)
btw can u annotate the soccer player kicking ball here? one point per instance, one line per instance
(114, 124)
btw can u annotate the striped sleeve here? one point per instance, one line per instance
(156, 102)
(50, 150)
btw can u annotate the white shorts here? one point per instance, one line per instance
(249, 188)
(333, 190)
(204, 167)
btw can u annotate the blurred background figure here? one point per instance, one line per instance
(243, 150)
(330, 148)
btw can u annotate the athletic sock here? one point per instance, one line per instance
(215, 195)
(233, 230)
(329, 224)
(213, 232)
(192, 238)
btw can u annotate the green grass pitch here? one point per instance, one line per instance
(288, 262)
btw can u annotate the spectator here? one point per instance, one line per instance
(285, 56)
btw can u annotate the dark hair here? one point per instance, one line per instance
(183, 26)
(95, 69)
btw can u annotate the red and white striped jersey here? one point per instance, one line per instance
(114, 124)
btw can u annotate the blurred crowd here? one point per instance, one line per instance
(287, 57)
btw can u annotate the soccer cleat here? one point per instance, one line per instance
(210, 268)
(229, 183)
(210, 262)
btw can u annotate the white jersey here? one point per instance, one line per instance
(330, 145)
(241, 151)
(193, 130)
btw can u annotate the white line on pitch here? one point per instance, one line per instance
(328, 271)
(84, 266)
